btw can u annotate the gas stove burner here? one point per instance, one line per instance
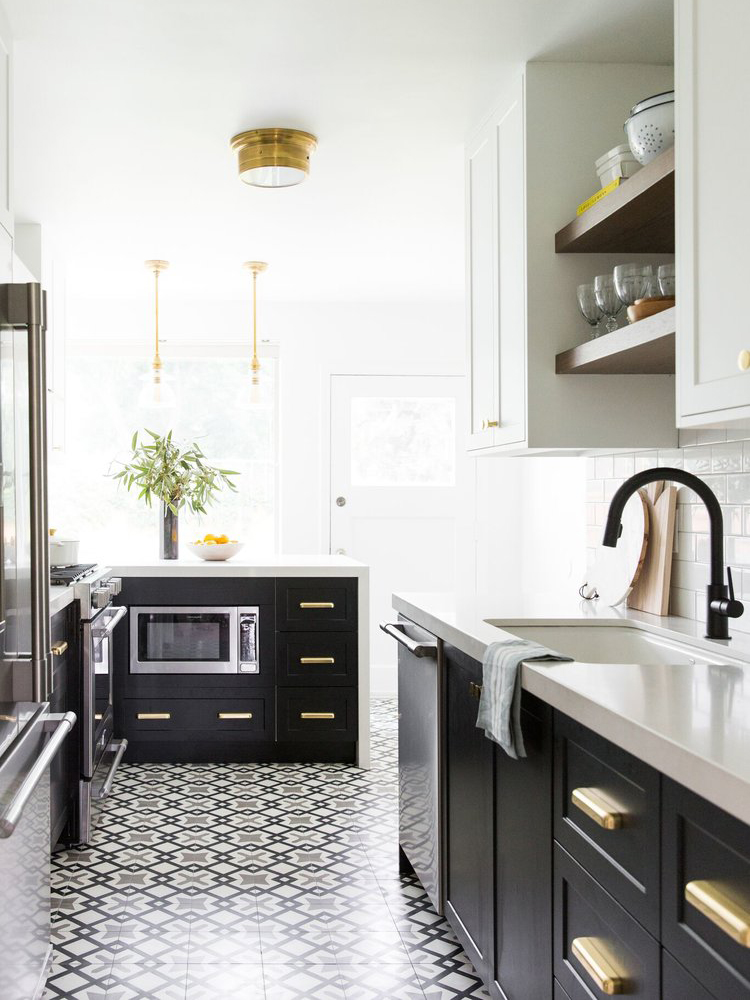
(67, 575)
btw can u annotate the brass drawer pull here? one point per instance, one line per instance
(317, 715)
(307, 605)
(475, 690)
(594, 956)
(729, 916)
(234, 715)
(154, 716)
(98, 716)
(308, 660)
(58, 648)
(595, 804)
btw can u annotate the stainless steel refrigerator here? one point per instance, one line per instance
(29, 735)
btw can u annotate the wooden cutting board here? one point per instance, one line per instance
(616, 570)
(651, 592)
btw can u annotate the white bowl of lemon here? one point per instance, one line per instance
(215, 547)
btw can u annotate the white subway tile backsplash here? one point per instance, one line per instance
(722, 459)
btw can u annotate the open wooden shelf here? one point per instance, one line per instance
(643, 348)
(637, 217)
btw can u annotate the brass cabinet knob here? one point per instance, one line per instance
(599, 965)
(58, 648)
(743, 360)
(487, 424)
(597, 806)
(726, 913)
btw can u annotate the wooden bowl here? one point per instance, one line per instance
(649, 307)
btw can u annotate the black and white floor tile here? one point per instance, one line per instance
(251, 882)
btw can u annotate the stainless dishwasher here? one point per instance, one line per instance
(419, 795)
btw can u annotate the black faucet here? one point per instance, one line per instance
(721, 605)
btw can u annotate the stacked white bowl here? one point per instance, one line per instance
(650, 127)
(617, 162)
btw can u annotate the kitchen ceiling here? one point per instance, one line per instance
(125, 109)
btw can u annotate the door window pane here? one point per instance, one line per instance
(403, 441)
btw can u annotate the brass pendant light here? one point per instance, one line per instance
(256, 267)
(274, 157)
(156, 392)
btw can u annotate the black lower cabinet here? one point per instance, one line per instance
(522, 945)
(63, 772)
(468, 848)
(677, 983)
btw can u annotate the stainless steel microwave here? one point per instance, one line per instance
(194, 640)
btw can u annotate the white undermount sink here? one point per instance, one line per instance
(613, 643)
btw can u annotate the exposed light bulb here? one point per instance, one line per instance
(157, 393)
(255, 389)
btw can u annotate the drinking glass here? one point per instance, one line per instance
(609, 301)
(632, 282)
(590, 308)
(667, 282)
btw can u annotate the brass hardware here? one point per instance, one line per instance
(306, 605)
(257, 267)
(58, 648)
(98, 716)
(475, 690)
(156, 266)
(594, 956)
(234, 715)
(743, 360)
(487, 424)
(153, 716)
(729, 916)
(307, 660)
(261, 149)
(317, 715)
(598, 807)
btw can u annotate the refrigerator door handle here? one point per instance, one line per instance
(11, 815)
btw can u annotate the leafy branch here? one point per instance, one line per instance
(176, 475)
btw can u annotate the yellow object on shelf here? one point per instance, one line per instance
(590, 202)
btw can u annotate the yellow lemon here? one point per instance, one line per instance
(222, 539)
(210, 541)
(209, 538)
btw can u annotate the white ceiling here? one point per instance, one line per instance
(125, 108)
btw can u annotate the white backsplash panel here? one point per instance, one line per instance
(721, 458)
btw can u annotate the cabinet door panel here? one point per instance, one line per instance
(468, 805)
(712, 321)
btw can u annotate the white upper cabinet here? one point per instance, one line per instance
(528, 167)
(713, 210)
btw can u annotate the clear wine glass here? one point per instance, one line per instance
(632, 282)
(667, 282)
(589, 308)
(609, 301)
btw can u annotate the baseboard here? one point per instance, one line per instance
(383, 680)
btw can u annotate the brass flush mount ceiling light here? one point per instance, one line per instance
(274, 157)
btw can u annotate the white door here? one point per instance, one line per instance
(396, 475)
(713, 91)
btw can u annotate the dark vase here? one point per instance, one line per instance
(169, 539)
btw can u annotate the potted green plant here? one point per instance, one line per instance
(177, 476)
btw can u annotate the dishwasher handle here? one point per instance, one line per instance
(11, 815)
(396, 631)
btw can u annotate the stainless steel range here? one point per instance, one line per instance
(95, 589)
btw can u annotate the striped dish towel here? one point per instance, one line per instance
(500, 702)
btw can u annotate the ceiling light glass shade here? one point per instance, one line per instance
(157, 393)
(255, 390)
(274, 157)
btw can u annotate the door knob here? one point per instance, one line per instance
(487, 424)
(743, 360)
(340, 552)
(341, 501)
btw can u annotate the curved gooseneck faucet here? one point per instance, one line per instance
(721, 605)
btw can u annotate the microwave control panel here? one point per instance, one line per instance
(248, 641)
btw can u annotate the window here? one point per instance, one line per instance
(213, 407)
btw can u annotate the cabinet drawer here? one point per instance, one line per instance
(607, 817)
(316, 658)
(595, 937)
(316, 604)
(251, 717)
(706, 892)
(677, 983)
(317, 714)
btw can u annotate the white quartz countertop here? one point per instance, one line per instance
(692, 723)
(59, 598)
(291, 565)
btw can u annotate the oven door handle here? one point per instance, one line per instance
(104, 631)
(395, 631)
(122, 746)
(11, 815)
